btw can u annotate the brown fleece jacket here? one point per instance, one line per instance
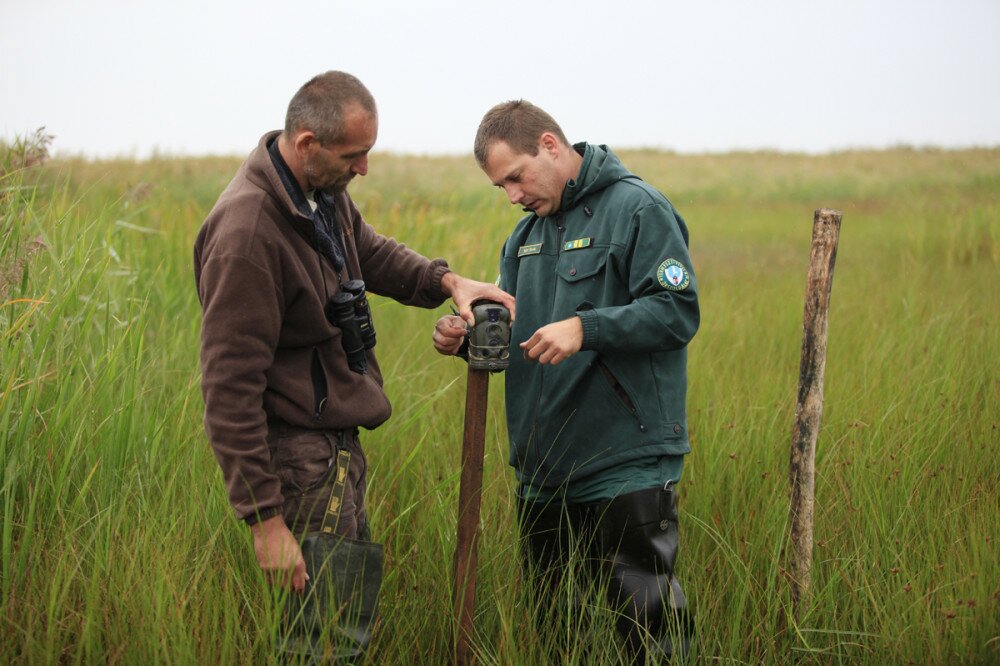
(267, 350)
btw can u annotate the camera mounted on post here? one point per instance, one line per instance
(348, 310)
(489, 339)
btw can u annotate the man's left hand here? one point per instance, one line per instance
(449, 334)
(465, 292)
(555, 342)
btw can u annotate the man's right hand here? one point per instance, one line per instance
(449, 333)
(278, 553)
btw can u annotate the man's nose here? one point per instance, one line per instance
(514, 194)
(360, 166)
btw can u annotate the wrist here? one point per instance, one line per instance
(266, 522)
(448, 281)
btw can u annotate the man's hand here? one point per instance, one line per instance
(555, 342)
(449, 333)
(278, 553)
(465, 291)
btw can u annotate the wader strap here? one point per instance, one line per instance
(332, 517)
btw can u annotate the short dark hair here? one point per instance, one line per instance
(319, 105)
(519, 124)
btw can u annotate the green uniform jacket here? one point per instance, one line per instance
(616, 254)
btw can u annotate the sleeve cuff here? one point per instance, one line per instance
(589, 320)
(440, 270)
(262, 515)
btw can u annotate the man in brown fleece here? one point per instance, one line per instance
(283, 400)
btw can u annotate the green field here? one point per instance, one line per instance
(117, 544)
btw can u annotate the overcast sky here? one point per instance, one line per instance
(185, 77)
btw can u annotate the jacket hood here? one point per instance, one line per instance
(600, 168)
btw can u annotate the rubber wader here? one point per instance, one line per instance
(334, 616)
(638, 541)
(631, 542)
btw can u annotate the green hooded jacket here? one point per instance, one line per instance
(616, 255)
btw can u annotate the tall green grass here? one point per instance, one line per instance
(117, 544)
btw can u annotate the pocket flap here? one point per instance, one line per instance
(579, 264)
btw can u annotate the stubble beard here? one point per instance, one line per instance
(313, 176)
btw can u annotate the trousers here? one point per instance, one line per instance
(305, 462)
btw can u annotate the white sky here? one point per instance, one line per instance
(184, 77)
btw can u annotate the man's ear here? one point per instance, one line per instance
(303, 140)
(549, 143)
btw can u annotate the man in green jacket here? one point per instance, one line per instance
(606, 305)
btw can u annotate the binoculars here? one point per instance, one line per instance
(348, 310)
(489, 339)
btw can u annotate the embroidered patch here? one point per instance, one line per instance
(673, 276)
(525, 250)
(577, 244)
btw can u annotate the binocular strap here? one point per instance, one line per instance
(332, 517)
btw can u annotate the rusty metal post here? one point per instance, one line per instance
(809, 407)
(469, 501)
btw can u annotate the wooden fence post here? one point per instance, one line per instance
(809, 408)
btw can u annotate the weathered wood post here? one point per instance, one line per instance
(470, 496)
(809, 408)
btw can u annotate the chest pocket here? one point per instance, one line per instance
(577, 265)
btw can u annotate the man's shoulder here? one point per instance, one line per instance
(252, 185)
(633, 191)
(243, 215)
(239, 205)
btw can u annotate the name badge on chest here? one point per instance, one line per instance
(526, 250)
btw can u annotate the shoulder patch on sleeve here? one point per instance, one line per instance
(673, 276)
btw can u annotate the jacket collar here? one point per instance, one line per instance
(599, 169)
(262, 172)
(288, 180)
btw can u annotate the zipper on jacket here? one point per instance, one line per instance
(552, 304)
(320, 389)
(620, 391)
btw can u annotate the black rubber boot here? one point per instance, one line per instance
(547, 538)
(638, 541)
(554, 548)
(334, 617)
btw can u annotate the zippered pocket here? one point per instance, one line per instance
(622, 394)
